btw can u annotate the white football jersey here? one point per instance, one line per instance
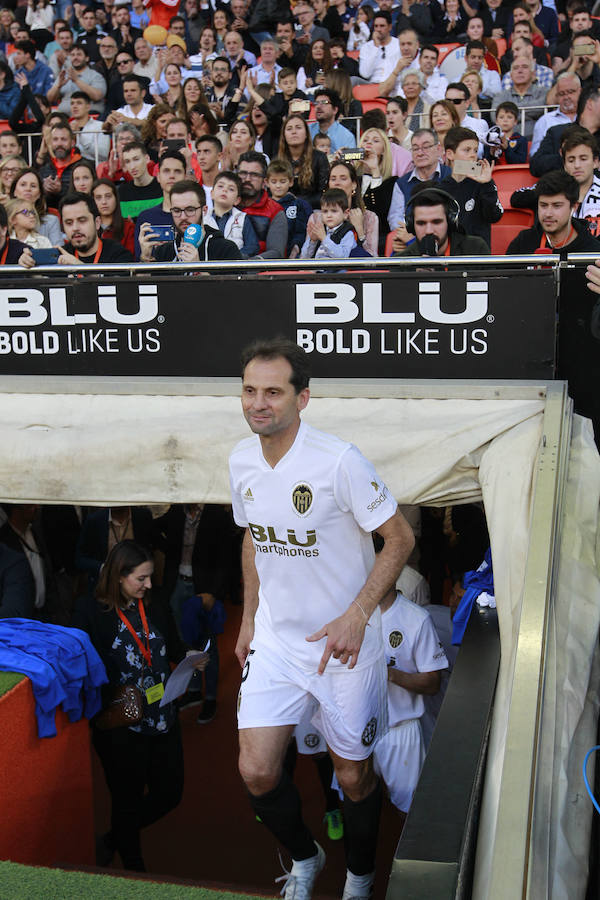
(310, 519)
(411, 644)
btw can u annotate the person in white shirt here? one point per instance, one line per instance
(475, 60)
(135, 110)
(147, 62)
(566, 93)
(408, 61)
(309, 503)
(435, 83)
(458, 94)
(267, 72)
(415, 659)
(85, 129)
(379, 56)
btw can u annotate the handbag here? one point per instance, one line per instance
(125, 708)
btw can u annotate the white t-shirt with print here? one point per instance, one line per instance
(410, 644)
(310, 519)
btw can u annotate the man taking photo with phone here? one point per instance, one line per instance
(193, 241)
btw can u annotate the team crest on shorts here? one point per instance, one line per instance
(311, 740)
(302, 498)
(396, 638)
(368, 735)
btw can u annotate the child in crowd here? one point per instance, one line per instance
(334, 237)
(322, 142)
(476, 192)
(512, 147)
(360, 32)
(233, 224)
(24, 222)
(280, 178)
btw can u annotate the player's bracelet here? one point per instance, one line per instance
(362, 610)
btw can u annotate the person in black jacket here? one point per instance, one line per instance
(17, 589)
(556, 230)
(196, 540)
(188, 205)
(476, 195)
(104, 528)
(547, 157)
(30, 106)
(310, 167)
(494, 15)
(136, 640)
(432, 216)
(23, 533)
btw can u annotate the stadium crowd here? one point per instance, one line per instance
(254, 130)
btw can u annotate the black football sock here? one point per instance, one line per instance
(280, 811)
(325, 771)
(290, 758)
(361, 825)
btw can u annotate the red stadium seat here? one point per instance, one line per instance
(512, 222)
(377, 103)
(501, 45)
(365, 92)
(509, 178)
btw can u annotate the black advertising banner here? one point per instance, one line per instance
(377, 325)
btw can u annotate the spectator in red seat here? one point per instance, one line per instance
(476, 194)
(557, 231)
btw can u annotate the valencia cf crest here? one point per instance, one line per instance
(311, 740)
(396, 638)
(368, 735)
(302, 498)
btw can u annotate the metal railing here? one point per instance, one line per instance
(28, 138)
(268, 267)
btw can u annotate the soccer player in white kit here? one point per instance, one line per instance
(415, 659)
(311, 623)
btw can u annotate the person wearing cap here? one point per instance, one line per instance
(177, 54)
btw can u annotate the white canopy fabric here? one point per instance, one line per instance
(103, 450)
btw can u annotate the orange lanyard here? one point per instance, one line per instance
(447, 250)
(5, 254)
(145, 651)
(98, 252)
(545, 245)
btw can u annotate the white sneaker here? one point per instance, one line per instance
(358, 887)
(298, 883)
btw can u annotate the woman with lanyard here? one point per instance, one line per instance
(142, 762)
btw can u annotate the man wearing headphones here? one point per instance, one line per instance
(432, 216)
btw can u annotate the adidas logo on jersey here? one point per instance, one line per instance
(248, 495)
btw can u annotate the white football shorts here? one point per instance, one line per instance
(351, 705)
(398, 758)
